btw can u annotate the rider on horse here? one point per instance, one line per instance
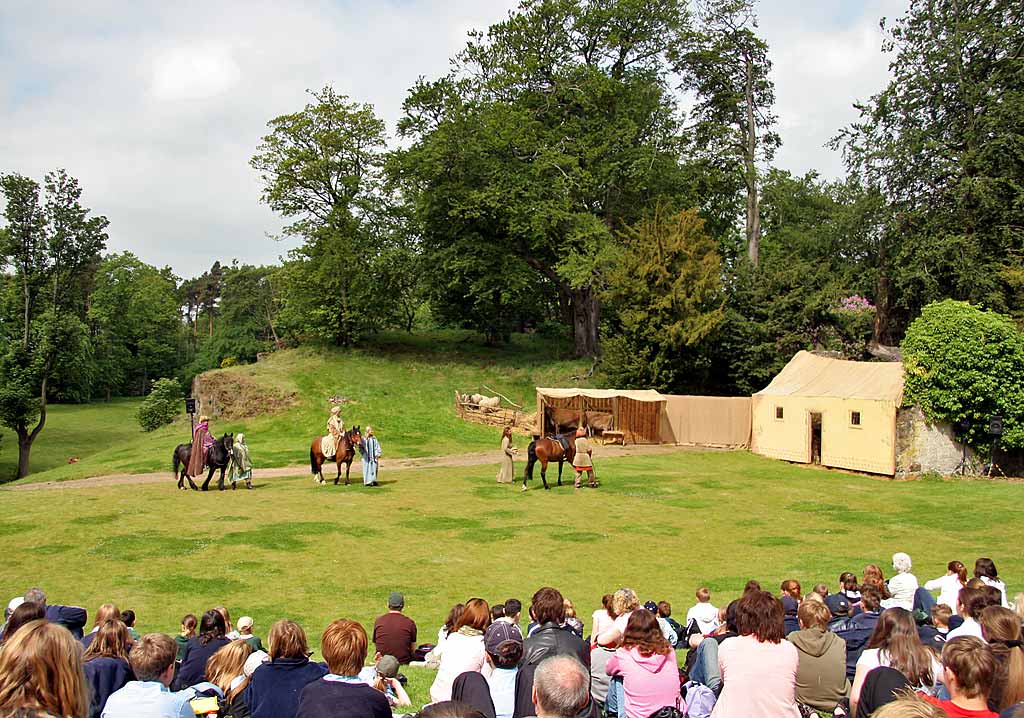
(335, 429)
(202, 440)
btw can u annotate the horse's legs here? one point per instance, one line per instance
(191, 483)
(348, 468)
(561, 459)
(220, 481)
(544, 474)
(337, 477)
(209, 477)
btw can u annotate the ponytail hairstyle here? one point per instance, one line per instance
(1001, 628)
(960, 570)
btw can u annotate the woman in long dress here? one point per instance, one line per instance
(241, 464)
(505, 470)
(370, 450)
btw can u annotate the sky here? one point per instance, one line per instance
(156, 107)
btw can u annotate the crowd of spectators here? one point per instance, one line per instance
(871, 647)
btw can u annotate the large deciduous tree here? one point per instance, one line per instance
(725, 64)
(944, 144)
(555, 130)
(53, 246)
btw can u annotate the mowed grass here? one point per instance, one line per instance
(402, 385)
(663, 524)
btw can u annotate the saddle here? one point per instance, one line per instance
(563, 440)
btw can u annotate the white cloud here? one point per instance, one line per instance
(193, 73)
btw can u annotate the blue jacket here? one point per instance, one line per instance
(274, 689)
(104, 676)
(72, 618)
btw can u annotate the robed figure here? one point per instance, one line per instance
(370, 450)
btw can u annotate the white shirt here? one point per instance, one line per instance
(461, 653)
(902, 586)
(502, 683)
(998, 584)
(969, 627)
(871, 658)
(948, 587)
(706, 617)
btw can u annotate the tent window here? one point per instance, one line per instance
(778, 412)
(855, 418)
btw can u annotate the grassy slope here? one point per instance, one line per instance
(401, 385)
(662, 524)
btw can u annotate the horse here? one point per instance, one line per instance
(545, 450)
(344, 454)
(218, 457)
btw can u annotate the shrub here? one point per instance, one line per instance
(964, 363)
(162, 405)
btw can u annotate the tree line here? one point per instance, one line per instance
(601, 170)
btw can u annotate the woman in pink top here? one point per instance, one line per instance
(758, 666)
(647, 664)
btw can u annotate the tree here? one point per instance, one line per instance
(666, 292)
(321, 167)
(52, 245)
(942, 144)
(555, 131)
(161, 406)
(966, 364)
(726, 66)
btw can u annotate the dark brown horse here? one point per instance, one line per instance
(346, 452)
(545, 450)
(218, 457)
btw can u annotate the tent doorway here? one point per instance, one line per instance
(815, 438)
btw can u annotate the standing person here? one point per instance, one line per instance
(370, 452)
(583, 460)
(647, 665)
(152, 661)
(202, 440)
(394, 633)
(949, 585)
(241, 464)
(41, 673)
(506, 472)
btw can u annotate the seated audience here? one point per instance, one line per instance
(665, 612)
(128, 619)
(895, 643)
(387, 680)
(759, 666)
(647, 664)
(560, 688)
(106, 612)
(497, 611)
(41, 673)
(340, 693)
(513, 611)
(199, 649)
(470, 689)
(1001, 629)
(25, 612)
(463, 649)
(433, 658)
(152, 662)
(702, 662)
(933, 633)
(666, 630)
(909, 705)
(571, 621)
(882, 686)
(970, 603)
(551, 638)
(602, 618)
(394, 633)
(275, 686)
(72, 618)
(985, 569)
(969, 669)
(106, 664)
(821, 672)
(904, 584)
(874, 577)
(624, 602)
(504, 646)
(849, 587)
(226, 670)
(790, 596)
(703, 612)
(949, 585)
(871, 606)
(188, 630)
(245, 633)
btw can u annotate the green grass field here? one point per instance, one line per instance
(402, 385)
(662, 524)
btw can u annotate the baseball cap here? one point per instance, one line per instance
(396, 600)
(838, 604)
(651, 606)
(387, 666)
(244, 622)
(499, 632)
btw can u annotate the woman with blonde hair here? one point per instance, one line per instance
(463, 649)
(1000, 627)
(106, 612)
(106, 664)
(41, 674)
(226, 670)
(624, 602)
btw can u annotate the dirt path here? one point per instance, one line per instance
(426, 462)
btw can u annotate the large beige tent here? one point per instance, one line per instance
(635, 413)
(830, 411)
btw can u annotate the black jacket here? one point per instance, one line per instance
(553, 640)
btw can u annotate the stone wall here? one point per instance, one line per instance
(923, 446)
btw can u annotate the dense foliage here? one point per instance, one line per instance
(964, 363)
(162, 406)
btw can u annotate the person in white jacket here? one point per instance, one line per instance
(949, 585)
(463, 649)
(904, 584)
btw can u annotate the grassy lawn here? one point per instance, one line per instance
(402, 385)
(662, 524)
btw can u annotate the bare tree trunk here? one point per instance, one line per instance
(25, 437)
(753, 201)
(586, 311)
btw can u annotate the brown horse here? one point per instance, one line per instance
(545, 450)
(345, 453)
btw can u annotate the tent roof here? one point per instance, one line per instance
(810, 375)
(634, 394)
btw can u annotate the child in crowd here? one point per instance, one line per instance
(188, 630)
(385, 678)
(504, 647)
(941, 614)
(128, 619)
(244, 626)
(704, 613)
(968, 669)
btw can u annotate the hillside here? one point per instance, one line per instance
(400, 384)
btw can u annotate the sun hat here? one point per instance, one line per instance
(244, 622)
(335, 409)
(387, 666)
(14, 603)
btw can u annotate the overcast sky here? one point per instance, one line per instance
(157, 107)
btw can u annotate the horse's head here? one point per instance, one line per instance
(355, 436)
(227, 441)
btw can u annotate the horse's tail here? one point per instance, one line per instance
(531, 459)
(312, 461)
(177, 463)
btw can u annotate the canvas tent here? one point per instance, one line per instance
(830, 411)
(722, 421)
(636, 413)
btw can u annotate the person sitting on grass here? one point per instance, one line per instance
(106, 664)
(969, 669)
(275, 686)
(550, 638)
(790, 595)
(244, 627)
(665, 613)
(1001, 629)
(341, 693)
(128, 619)
(904, 584)
(985, 569)
(188, 630)
(504, 645)
(463, 649)
(970, 603)
(72, 618)
(602, 619)
(226, 670)
(26, 612)
(646, 663)
(199, 649)
(560, 688)
(152, 661)
(41, 673)
(821, 672)
(106, 612)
